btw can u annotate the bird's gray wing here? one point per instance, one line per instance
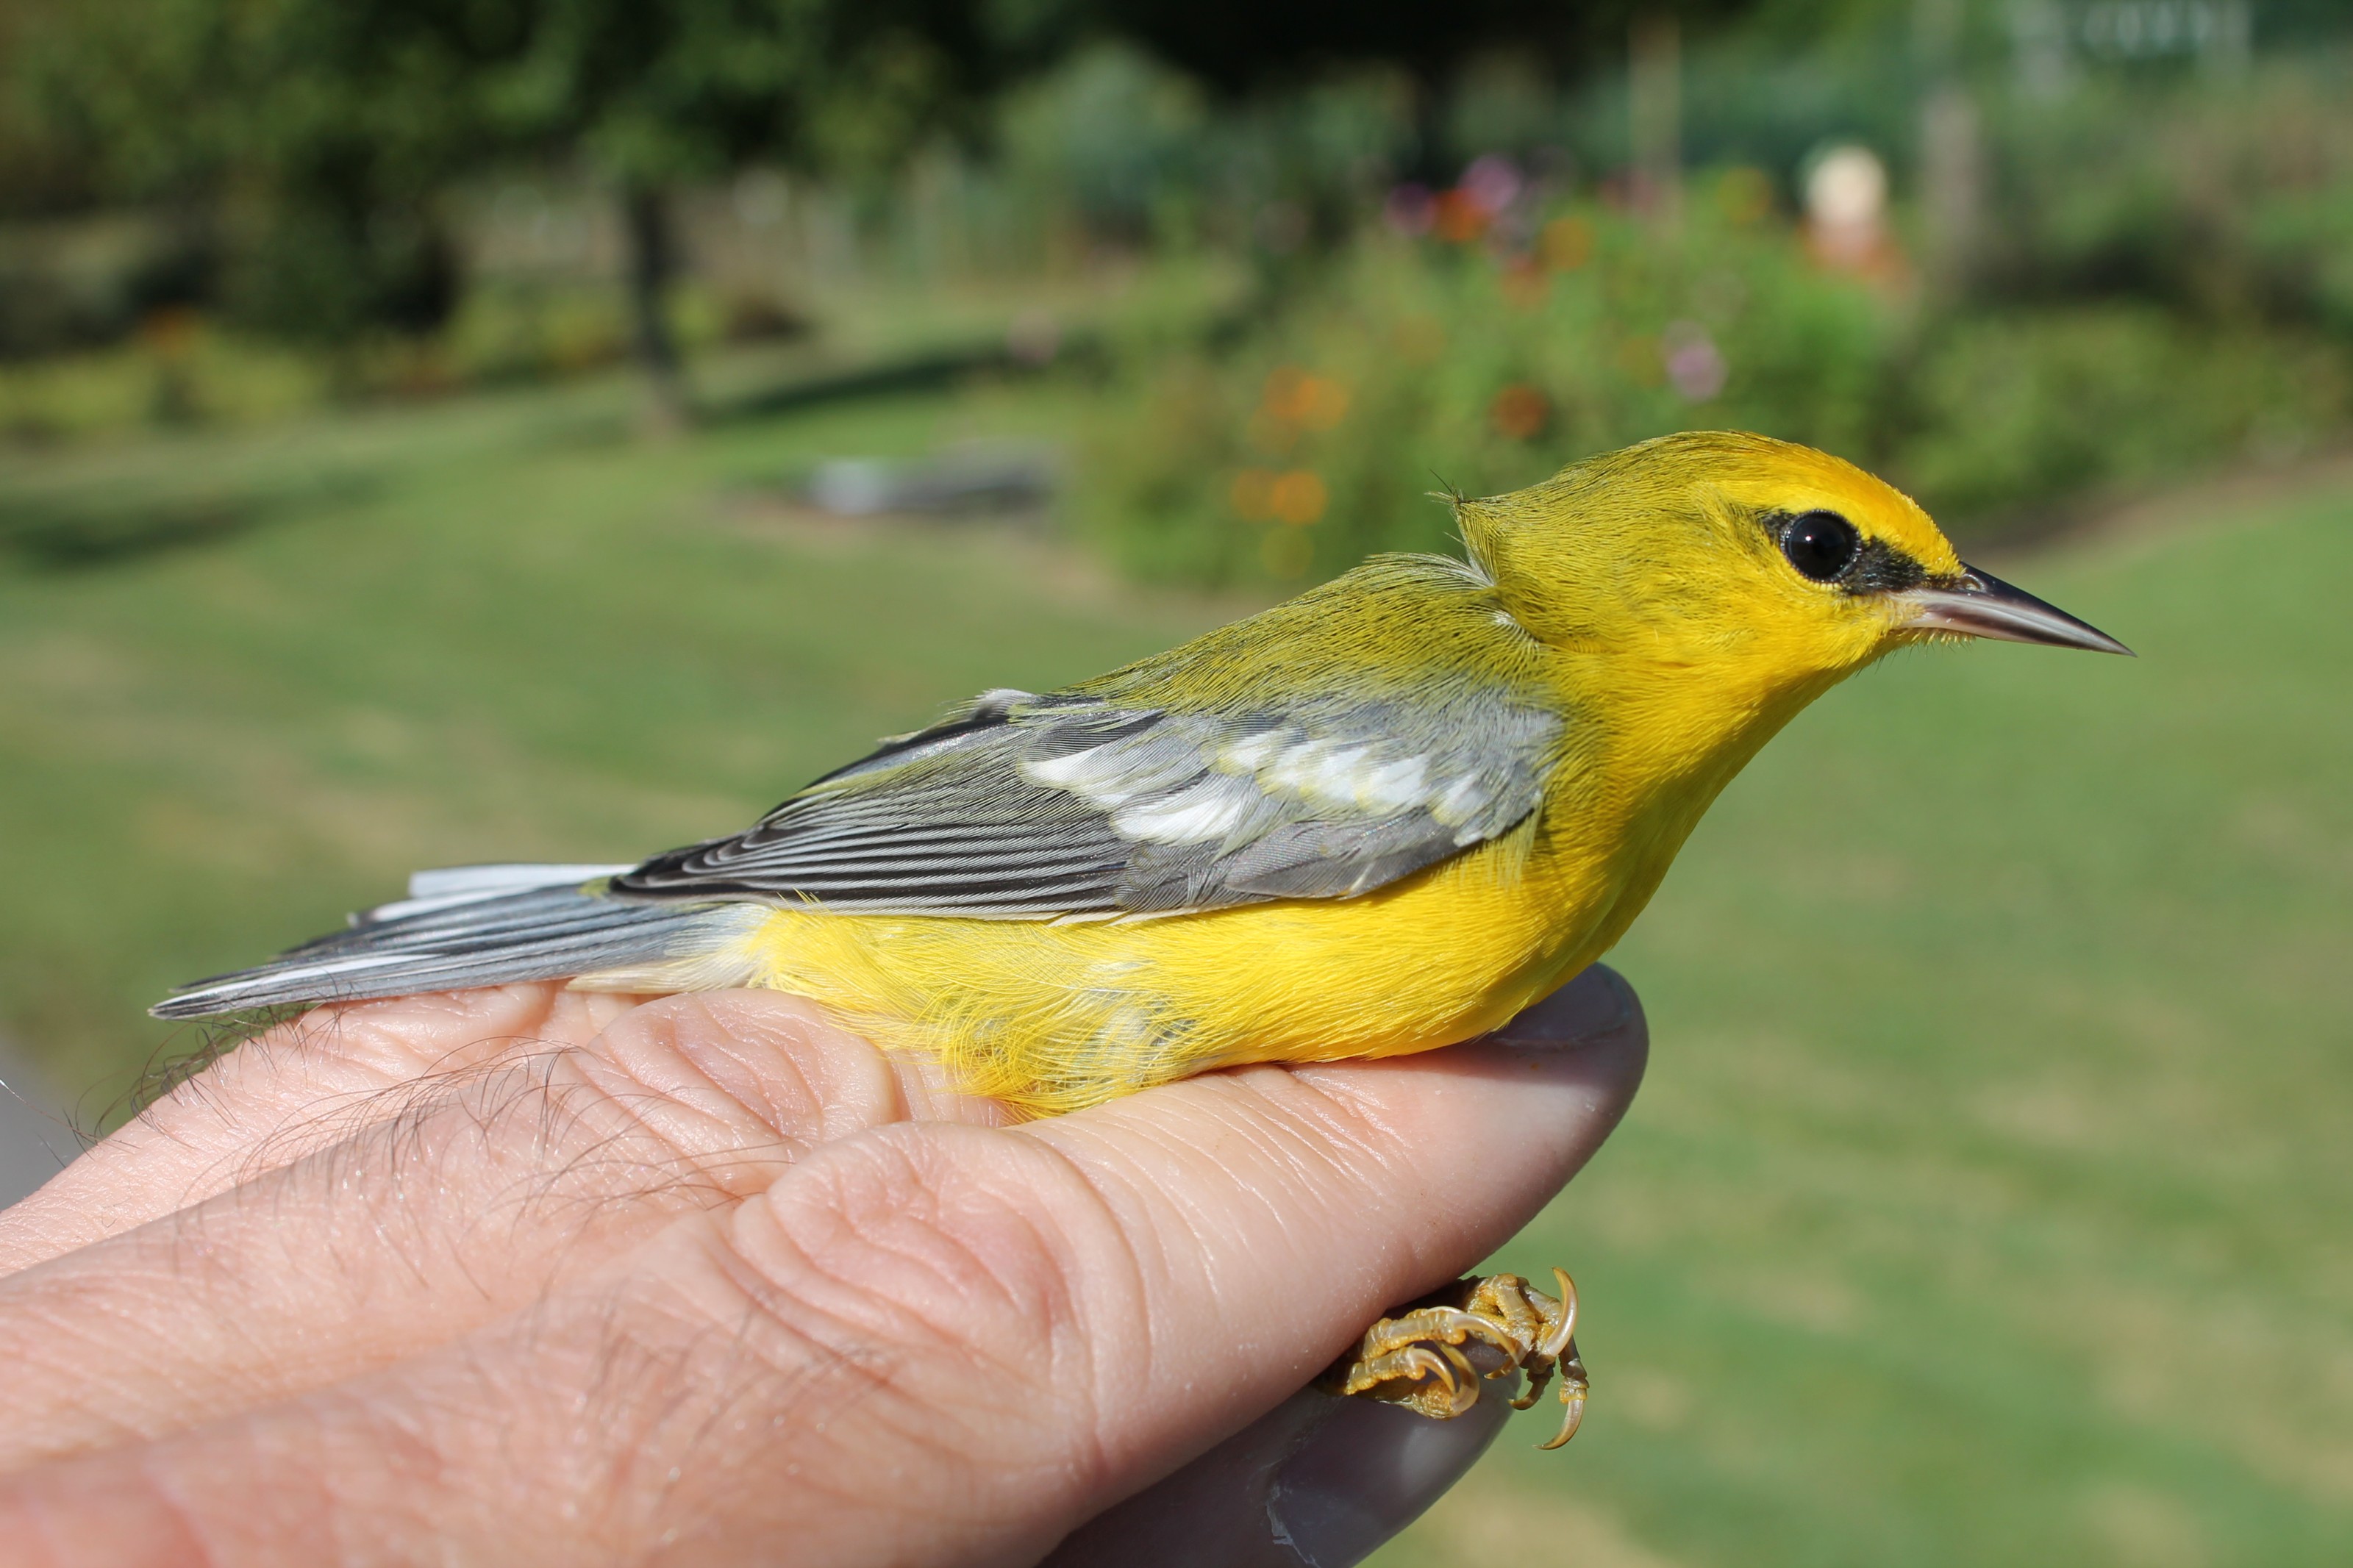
(1073, 805)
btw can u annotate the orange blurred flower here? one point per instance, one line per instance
(1460, 218)
(1298, 498)
(1310, 402)
(1520, 411)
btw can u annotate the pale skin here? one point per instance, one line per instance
(524, 1275)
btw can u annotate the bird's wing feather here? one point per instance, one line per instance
(1076, 805)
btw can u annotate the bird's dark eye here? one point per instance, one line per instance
(1821, 545)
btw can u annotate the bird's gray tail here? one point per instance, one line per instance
(488, 925)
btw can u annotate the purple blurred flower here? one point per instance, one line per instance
(1694, 365)
(1493, 182)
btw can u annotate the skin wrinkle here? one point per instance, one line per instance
(343, 1053)
(186, 1540)
(1110, 1171)
(1295, 1200)
(1260, 1107)
(919, 1211)
(741, 1371)
(788, 1049)
(1290, 1096)
(401, 1439)
(93, 1395)
(1024, 1351)
(773, 1328)
(402, 1169)
(1255, 1093)
(844, 1358)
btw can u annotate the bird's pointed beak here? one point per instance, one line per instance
(1980, 605)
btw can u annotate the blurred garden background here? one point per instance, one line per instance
(449, 430)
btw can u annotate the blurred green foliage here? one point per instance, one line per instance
(1417, 365)
(2158, 280)
(302, 149)
(1426, 371)
(2149, 273)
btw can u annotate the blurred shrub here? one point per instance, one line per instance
(69, 282)
(1532, 338)
(1132, 151)
(1419, 365)
(177, 369)
(2013, 412)
(308, 269)
(2221, 199)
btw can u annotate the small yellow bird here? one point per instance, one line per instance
(1382, 817)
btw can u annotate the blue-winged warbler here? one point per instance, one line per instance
(1380, 817)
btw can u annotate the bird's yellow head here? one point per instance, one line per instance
(1729, 551)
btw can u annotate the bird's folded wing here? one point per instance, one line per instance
(1075, 805)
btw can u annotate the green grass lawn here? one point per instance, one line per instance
(1985, 1204)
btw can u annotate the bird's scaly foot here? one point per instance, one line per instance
(1432, 1356)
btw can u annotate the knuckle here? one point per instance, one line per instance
(975, 1278)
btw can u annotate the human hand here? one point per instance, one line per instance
(525, 1275)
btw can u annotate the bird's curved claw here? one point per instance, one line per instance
(1432, 1356)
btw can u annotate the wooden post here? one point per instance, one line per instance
(651, 251)
(1655, 113)
(1952, 160)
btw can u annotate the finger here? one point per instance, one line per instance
(303, 1086)
(458, 1198)
(922, 1343)
(1317, 1481)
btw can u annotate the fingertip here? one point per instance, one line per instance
(1370, 1469)
(1599, 1007)
(1317, 1482)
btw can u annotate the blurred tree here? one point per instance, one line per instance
(321, 133)
(1257, 45)
(1245, 44)
(654, 95)
(40, 172)
(309, 140)
(301, 143)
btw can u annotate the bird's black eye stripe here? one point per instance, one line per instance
(1821, 545)
(1827, 548)
(1883, 569)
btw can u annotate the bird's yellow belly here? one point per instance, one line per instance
(1053, 1018)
